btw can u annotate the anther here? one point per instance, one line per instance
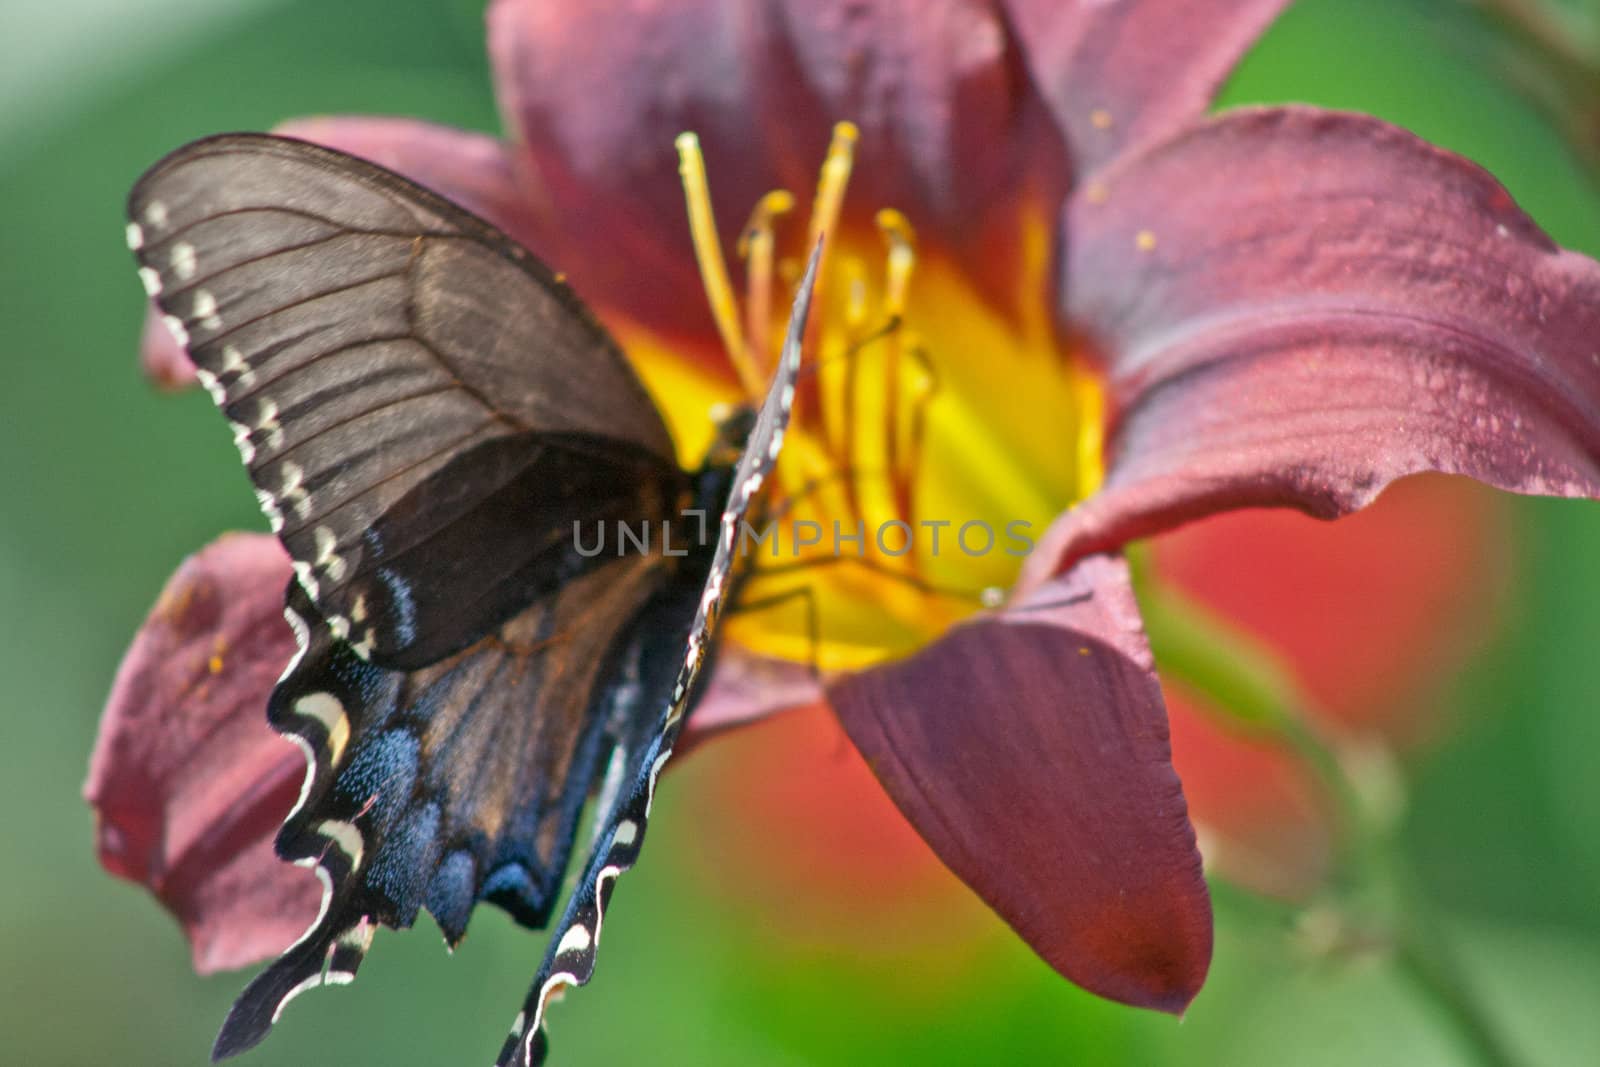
(756, 246)
(713, 269)
(831, 183)
(902, 241)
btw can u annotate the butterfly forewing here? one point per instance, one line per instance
(374, 346)
(570, 958)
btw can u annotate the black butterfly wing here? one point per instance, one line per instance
(405, 385)
(659, 715)
(441, 787)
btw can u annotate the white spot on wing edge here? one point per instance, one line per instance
(183, 260)
(175, 326)
(327, 558)
(576, 939)
(627, 833)
(150, 280)
(135, 236)
(327, 899)
(205, 309)
(219, 395)
(302, 640)
(309, 983)
(359, 936)
(293, 494)
(241, 441)
(234, 362)
(556, 981)
(655, 771)
(326, 709)
(269, 506)
(346, 836)
(311, 774)
(308, 580)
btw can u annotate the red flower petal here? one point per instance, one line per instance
(1122, 74)
(744, 689)
(188, 782)
(1030, 750)
(471, 169)
(161, 358)
(597, 92)
(1297, 307)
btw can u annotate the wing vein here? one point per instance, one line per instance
(365, 413)
(389, 477)
(291, 305)
(261, 386)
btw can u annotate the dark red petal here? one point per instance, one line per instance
(1296, 307)
(472, 169)
(188, 782)
(746, 688)
(597, 92)
(1121, 74)
(1030, 750)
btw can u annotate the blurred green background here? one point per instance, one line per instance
(107, 485)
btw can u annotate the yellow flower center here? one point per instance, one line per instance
(935, 435)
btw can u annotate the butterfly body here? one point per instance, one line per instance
(430, 419)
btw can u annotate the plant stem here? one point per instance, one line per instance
(1250, 690)
(1423, 953)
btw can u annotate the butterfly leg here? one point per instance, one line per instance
(808, 596)
(914, 581)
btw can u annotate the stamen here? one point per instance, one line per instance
(902, 241)
(847, 419)
(925, 388)
(713, 269)
(756, 248)
(830, 185)
(825, 211)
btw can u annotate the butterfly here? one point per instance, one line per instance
(429, 416)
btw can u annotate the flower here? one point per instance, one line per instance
(1371, 614)
(1054, 288)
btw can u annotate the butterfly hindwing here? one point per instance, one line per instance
(442, 787)
(399, 376)
(624, 812)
